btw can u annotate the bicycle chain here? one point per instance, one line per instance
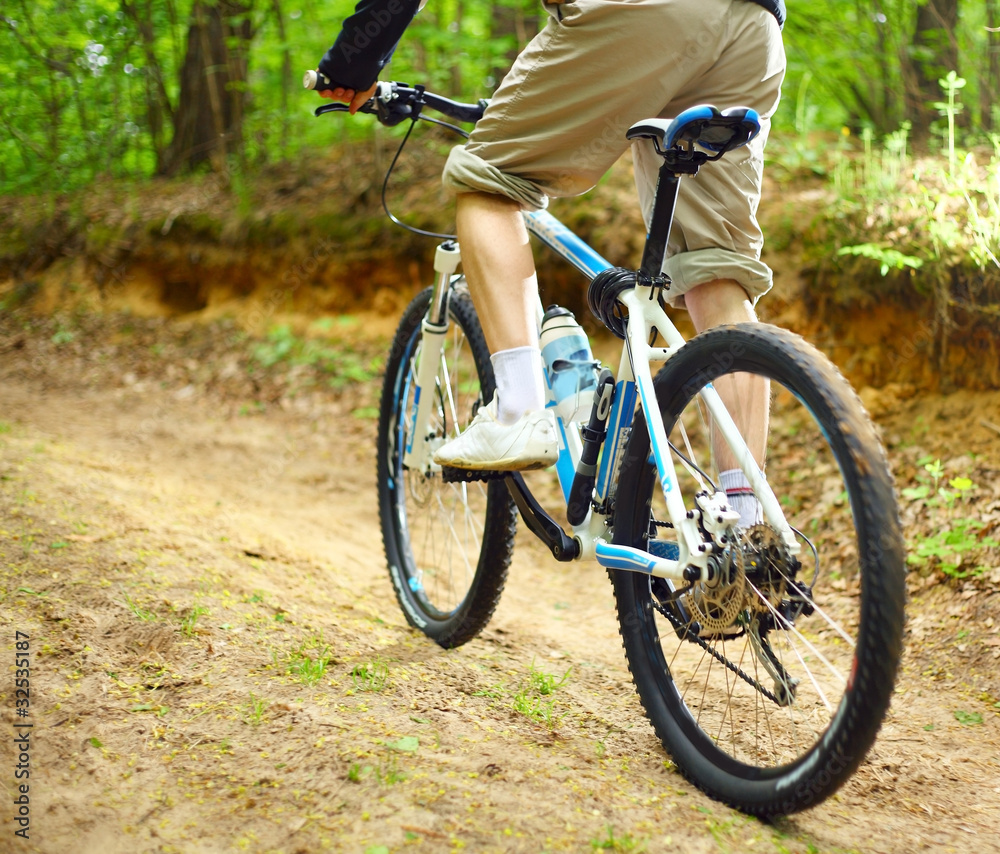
(716, 655)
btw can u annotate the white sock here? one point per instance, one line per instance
(520, 382)
(741, 497)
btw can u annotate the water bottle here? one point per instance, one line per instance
(570, 368)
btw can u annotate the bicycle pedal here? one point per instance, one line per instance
(454, 475)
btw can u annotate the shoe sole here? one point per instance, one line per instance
(498, 465)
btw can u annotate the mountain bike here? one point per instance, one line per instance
(764, 656)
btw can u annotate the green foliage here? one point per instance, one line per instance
(188, 624)
(254, 710)
(533, 696)
(938, 218)
(887, 258)
(371, 675)
(138, 612)
(861, 59)
(950, 108)
(309, 661)
(934, 494)
(87, 89)
(956, 545)
(612, 842)
(407, 744)
(950, 547)
(73, 92)
(339, 365)
(968, 718)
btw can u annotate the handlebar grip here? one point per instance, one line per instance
(315, 80)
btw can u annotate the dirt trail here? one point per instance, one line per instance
(183, 560)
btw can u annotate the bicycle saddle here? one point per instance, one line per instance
(705, 125)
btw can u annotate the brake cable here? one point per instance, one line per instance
(385, 183)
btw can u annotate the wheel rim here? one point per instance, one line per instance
(733, 694)
(439, 525)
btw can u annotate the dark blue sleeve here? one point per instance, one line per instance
(366, 42)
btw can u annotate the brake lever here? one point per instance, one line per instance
(367, 107)
(330, 108)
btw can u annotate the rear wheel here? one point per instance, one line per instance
(448, 545)
(769, 686)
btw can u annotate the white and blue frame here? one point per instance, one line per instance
(633, 381)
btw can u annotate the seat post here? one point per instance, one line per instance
(664, 200)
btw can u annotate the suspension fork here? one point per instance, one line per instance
(434, 327)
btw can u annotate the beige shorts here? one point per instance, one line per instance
(557, 123)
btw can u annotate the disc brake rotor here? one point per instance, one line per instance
(716, 605)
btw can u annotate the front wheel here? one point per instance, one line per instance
(769, 686)
(448, 545)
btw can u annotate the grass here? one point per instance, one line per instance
(341, 365)
(371, 676)
(919, 229)
(190, 620)
(611, 842)
(309, 661)
(139, 613)
(533, 697)
(254, 710)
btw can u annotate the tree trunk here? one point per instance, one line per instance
(157, 100)
(208, 120)
(456, 68)
(286, 74)
(933, 55)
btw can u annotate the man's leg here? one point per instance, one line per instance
(499, 267)
(500, 270)
(514, 431)
(746, 396)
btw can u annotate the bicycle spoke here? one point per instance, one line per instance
(784, 624)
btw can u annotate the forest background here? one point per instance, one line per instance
(891, 106)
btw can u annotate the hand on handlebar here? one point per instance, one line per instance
(394, 103)
(354, 99)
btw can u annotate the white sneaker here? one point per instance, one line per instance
(488, 445)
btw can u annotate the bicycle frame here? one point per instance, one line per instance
(633, 383)
(633, 378)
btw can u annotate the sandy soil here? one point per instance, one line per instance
(218, 663)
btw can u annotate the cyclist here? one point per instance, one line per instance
(554, 126)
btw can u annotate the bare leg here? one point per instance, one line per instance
(746, 396)
(514, 431)
(499, 267)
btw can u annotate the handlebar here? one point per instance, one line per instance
(392, 102)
